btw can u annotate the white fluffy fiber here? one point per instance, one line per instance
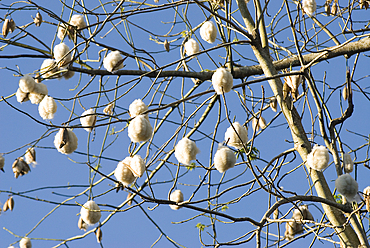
(20, 167)
(68, 144)
(347, 163)
(62, 31)
(111, 62)
(90, 213)
(224, 159)
(208, 32)
(139, 129)
(222, 80)
(2, 162)
(25, 243)
(88, 118)
(347, 186)
(186, 150)
(47, 108)
(191, 47)
(27, 84)
(60, 51)
(38, 93)
(233, 139)
(78, 21)
(21, 96)
(309, 7)
(30, 156)
(48, 68)
(68, 74)
(137, 165)
(123, 172)
(302, 213)
(294, 81)
(177, 197)
(318, 159)
(137, 107)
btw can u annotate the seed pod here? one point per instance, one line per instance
(123, 173)
(347, 163)
(367, 198)
(38, 93)
(166, 45)
(38, 19)
(20, 167)
(47, 108)
(137, 107)
(273, 104)
(238, 138)
(286, 90)
(364, 4)
(21, 96)
(78, 21)
(99, 235)
(27, 84)
(347, 186)
(259, 123)
(64, 30)
(128, 197)
(81, 224)
(90, 213)
(191, 47)
(113, 62)
(334, 8)
(25, 243)
(68, 74)
(65, 141)
(276, 214)
(48, 68)
(345, 93)
(176, 196)
(294, 81)
(224, 159)
(11, 25)
(108, 110)
(292, 228)
(30, 156)
(140, 129)
(88, 119)
(62, 54)
(302, 213)
(327, 8)
(318, 158)
(5, 206)
(208, 32)
(10, 203)
(222, 80)
(2, 162)
(309, 7)
(5, 27)
(186, 150)
(137, 166)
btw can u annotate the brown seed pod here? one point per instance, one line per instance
(166, 45)
(273, 103)
(5, 206)
(20, 167)
(128, 197)
(81, 224)
(345, 93)
(286, 90)
(5, 27)
(99, 235)
(327, 8)
(10, 202)
(334, 9)
(38, 19)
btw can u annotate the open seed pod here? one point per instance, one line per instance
(177, 197)
(20, 167)
(123, 172)
(81, 224)
(99, 235)
(88, 120)
(90, 213)
(65, 141)
(186, 150)
(238, 138)
(38, 19)
(137, 166)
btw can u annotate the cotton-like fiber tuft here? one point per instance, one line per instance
(27, 84)
(347, 163)
(47, 108)
(139, 129)
(177, 197)
(186, 150)
(88, 120)
(48, 68)
(21, 96)
(62, 54)
(224, 159)
(20, 167)
(113, 62)
(318, 158)
(292, 228)
(137, 107)
(208, 32)
(137, 166)
(90, 213)
(123, 173)
(25, 243)
(302, 213)
(30, 156)
(222, 81)
(309, 7)
(78, 21)
(232, 138)
(191, 47)
(65, 141)
(38, 93)
(347, 186)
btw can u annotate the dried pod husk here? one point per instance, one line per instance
(262, 123)
(302, 213)
(224, 159)
(99, 235)
(2, 162)
(140, 129)
(166, 45)
(20, 167)
(22, 96)
(238, 138)
(123, 172)
(38, 19)
(345, 93)
(318, 158)
(128, 197)
(38, 93)
(176, 196)
(137, 107)
(327, 8)
(81, 224)
(276, 214)
(113, 62)
(108, 110)
(334, 9)
(10, 203)
(62, 54)
(309, 7)
(364, 4)
(273, 103)
(186, 150)
(367, 198)
(292, 228)
(5, 206)
(25, 243)
(30, 156)
(11, 26)
(191, 47)
(156, 1)
(347, 163)
(88, 120)
(294, 81)
(90, 213)
(222, 81)
(286, 90)
(208, 32)
(47, 108)
(8, 26)
(65, 141)
(347, 186)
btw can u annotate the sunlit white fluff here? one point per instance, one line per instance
(47, 108)
(60, 51)
(176, 196)
(186, 150)
(21, 96)
(88, 118)
(224, 159)
(309, 7)
(20, 167)
(62, 31)
(27, 84)
(137, 165)
(65, 141)
(292, 228)
(347, 163)
(38, 93)
(123, 173)
(208, 32)
(347, 186)
(191, 47)
(222, 80)
(232, 138)
(48, 68)
(139, 129)
(30, 156)
(318, 158)
(68, 74)
(113, 62)
(78, 21)
(2, 162)
(90, 213)
(302, 213)
(137, 107)
(25, 243)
